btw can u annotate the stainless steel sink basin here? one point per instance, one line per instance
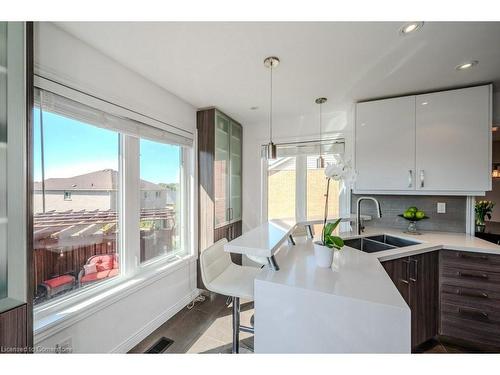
(367, 245)
(373, 244)
(393, 241)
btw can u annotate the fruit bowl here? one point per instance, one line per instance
(414, 218)
(413, 214)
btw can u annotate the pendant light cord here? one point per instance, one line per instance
(271, 106)
(320, 134)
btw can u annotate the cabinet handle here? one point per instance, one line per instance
(407, 263)
(231, 213)
(410, 178)
(422, 178)
(468, 256)
(415, 268)
(472, 312)
(460, 292)
(472, 275)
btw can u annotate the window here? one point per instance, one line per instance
(281, 188)
(160, 173)
(85, 208)
(316, 191)
(76, 241)
(296, 188)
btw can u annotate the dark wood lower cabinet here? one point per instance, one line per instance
(417, 279)
(13, 330)
(470, 297)
(424, 296)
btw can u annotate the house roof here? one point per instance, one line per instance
(105, 179)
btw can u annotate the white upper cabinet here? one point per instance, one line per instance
(438, 143)
(454, 140)
(385, 144)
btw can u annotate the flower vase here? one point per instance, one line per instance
(323, 255)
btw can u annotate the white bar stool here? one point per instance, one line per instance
(221, 275)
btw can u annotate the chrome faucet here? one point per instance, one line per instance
(359, 224)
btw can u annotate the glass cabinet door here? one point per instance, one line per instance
(221, 169)
(235, 172)
(3, 159)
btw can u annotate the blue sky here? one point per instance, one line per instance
(72, 148)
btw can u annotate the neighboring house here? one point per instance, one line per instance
(95, 191)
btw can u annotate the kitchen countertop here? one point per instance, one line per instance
(364, 310)
(354, 274)
(266, 239)
(430, 241)
(357, 274)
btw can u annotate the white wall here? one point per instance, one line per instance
(120, 325)
(65, 59)
(339, 123)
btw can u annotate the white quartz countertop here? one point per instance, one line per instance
(265, 240)
(354, 274)
(429, 241)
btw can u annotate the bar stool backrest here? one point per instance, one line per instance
(213, 261)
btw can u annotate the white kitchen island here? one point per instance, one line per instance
(352, 307)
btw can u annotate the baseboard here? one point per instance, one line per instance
(149, 328)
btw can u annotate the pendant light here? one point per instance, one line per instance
(320, 162)
(271, 62)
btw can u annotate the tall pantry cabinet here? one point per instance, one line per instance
(220, 141)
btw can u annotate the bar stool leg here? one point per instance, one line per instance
(236, 325)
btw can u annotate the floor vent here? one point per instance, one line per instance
(160, 346)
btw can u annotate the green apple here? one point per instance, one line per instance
(409, 214)
(412, 209)
(419, 214)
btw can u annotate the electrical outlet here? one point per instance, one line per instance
(441, 208)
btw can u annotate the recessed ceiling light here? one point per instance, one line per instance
(467, 65)
(410, 27)
(425, 103)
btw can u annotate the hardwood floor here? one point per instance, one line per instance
(206, 328)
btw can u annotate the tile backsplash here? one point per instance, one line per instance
(393, 205)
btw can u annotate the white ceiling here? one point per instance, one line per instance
(221, 64)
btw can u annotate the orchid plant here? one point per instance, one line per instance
(340, 170)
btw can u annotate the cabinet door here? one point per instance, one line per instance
(385, 144)
(453, 142)
(235, 172)
(397, 270)
(424, 296)
(221, 169)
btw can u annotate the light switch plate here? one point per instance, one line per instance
(441, 208)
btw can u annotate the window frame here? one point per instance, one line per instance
(301, 186)
(128, 206)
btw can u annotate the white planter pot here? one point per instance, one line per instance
(323, 255)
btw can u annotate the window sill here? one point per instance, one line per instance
(52, 318)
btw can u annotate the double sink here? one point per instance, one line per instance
(373, 244)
